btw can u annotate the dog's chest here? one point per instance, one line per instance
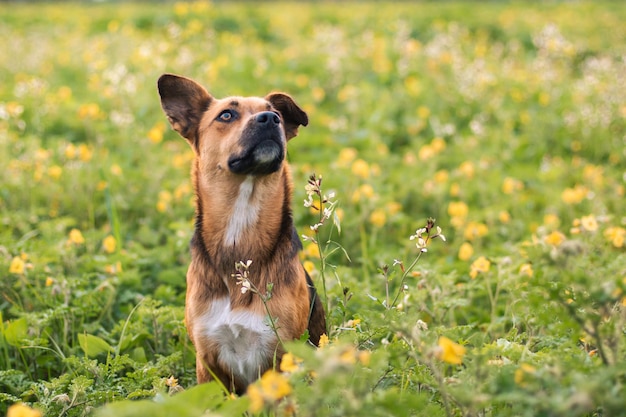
(244, 213)
(244, 341)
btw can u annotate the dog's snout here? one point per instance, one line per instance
(267, 118)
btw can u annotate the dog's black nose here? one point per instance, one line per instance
(267, 118)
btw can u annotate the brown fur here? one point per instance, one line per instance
(269, 240)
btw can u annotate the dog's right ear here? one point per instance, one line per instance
(184, 101)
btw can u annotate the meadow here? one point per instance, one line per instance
(504, 122)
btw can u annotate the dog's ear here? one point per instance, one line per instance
(184, 101)
(293, 116)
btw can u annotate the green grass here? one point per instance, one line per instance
(505, 122)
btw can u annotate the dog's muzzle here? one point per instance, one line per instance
(263, 143)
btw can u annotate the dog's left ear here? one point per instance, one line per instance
(293, 116)
(184, 102)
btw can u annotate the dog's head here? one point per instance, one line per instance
(244, 135)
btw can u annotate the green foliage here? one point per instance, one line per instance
(505, 122)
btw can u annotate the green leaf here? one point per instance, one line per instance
(15, 331)
(190, 403)
(93, 345)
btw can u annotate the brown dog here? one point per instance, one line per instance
(243, 212)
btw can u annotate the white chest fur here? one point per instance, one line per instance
(245, 212)
(246, 343)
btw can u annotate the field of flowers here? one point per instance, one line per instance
(505, 123)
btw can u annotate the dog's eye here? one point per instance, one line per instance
(226, 116)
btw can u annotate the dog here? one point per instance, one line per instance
(243, 193)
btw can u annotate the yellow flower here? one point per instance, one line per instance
(302, 80)
(449, 351)
(318, 94)
(182, 190)
(70, 151)
(346, 156)
(574, 195)
(113, 26)
(312, 250)
(256, 399)
(589, 223)
(510, 185)
(466, 251)
(164, 199)
(378, 218)
(365, 191)
(309, 267)
(467, 169)
(17, 266)
(375, 168)
(116, 170)
(49, 281)
(409, 159)
(290, 363)
(425, 152)
(526, 269)
(475, 230)
(551, 220)
(156, 133)
(522, 371)
(504, 216)
(346, 93)
(393, 207)
(55, 172)
(171, 382)
(455, 189)
(113, 269)
(458, 209)
(161, 206)
(64, 93)
(441, 176)
(594, 174)
(348, 356)
(438, 144)
(76, 237)
(555, 238)
(360, 168)
(108, 244)
(84, 152)
(616, 236)
(423, 112)
(274, 386)
(353, 323)
(481, 264)
(89, 111)
(21, 410)
(323, 341)
(181, 8)
(364, 357)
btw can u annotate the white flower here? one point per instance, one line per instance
(310, 189)
(245, 286)
(418, 234)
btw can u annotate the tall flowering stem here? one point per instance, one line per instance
(325, 206)
(242, 272)
(422, 238)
